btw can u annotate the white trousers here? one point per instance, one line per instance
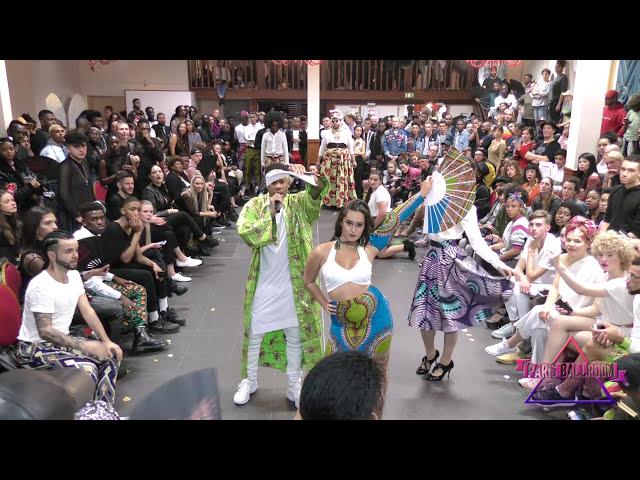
(518, 304)
(294, 354)
(530, 326)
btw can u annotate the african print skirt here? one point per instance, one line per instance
(362, 324)
(337, 167)
(453, 291)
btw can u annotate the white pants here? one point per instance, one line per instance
(518, 304)
(530, 326)
(294, 354)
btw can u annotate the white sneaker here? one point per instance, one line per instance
(504, 331)
(501, 348)
(178, 277)
(528, 383)
(189, 262)
(293, 392)
(245, 389)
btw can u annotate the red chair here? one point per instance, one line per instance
(10, 276)
(11, 318)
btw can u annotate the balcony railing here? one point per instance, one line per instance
(335, 75)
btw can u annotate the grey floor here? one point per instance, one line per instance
(479, 388)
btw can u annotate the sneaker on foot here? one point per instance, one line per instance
(500, 348)
(293, 392)
(529, 383)
(506, 331)
(178, 277)
(510, 358)
(245, 389)
(552, 395)
(189, 262)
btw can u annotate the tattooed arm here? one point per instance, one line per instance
(50, 334)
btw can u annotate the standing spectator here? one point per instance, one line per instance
(560, 84)
(179, 117)
(137, 113)
(239, 135)
(394, 141)
(505, 97)
(525, 103)
(55, 148)
(252, 154)
(359, 152)
(623, 209)
(613, 114)
(488, 82)
(274, 147)
(497, 148)
(148, 150)
(461, 136)
(540, 95)
(297, 142)
(376, 157)
(415, 140)
(632, 125)
(40, 139)
(16, 178)
(95, 151)
(161, 129)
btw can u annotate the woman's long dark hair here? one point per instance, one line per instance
(583, 177)
(30, 226)
(10, 225)
(356, 205)
(573, 208)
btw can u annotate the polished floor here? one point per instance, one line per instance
(479, 388)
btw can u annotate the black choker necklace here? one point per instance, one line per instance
(343, 242)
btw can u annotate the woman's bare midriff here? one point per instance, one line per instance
(347, 291)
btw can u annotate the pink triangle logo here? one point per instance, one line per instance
(561, 370)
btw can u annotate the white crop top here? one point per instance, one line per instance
(336, 276)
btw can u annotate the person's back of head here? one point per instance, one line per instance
(344, 386)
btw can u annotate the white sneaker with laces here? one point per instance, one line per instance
(189, 262)
(245, 389)
(178, 277)
(501, 348)
(293, 392)
(504, 331)
(528, 383)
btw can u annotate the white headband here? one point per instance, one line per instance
(277, 174)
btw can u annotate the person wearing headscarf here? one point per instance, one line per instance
(337, 163)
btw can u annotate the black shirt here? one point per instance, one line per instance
(623, 210)
(114, 242)
(548, 149)
(114, 204)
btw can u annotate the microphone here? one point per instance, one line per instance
(278, 206)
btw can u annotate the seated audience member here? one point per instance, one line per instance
(623, 209)
(38, 223)
(181, 222)
(546, 199)
(75, 183)
(613, 160)
(194, 162)
(603, 203)
(531, 183)
(179, 142)
(570, 188)
(50, 302)
(177, 181)
(121, 251)
(535, 324)
(222, 199)
(554, 170)
(509, 245)
(10, 228)
(534, 270)
(564, 213)
(126, 187)
(511, 170)
(592, 201)
(410, 181)
(163, 238)
(587, 175)
(148, 150)
(233, 176)
(526, 145)
(343, 386)
(613, 304)
(16, 178)
(198, 204)
(55, 148)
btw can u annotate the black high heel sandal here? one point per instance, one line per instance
(425, 366)
(446, 370)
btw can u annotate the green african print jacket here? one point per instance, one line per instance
(256, 228)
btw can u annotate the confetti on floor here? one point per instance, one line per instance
(507, 377)
(170, 355)
(126, 399)
(213, 309)
(155, 360)
(471, 339)
(169, 342)
(465, 330)
(469, 334)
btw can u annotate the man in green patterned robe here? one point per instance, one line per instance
(282, 322)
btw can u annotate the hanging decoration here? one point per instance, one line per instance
(493, 63)
(308, 62)
(92, 63)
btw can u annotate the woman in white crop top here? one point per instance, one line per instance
(360, 315)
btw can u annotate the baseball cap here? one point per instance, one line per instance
(611, 94)
(195, 150)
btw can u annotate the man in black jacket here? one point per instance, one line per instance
(149, 152)
(163, 131)
(41, 137)
(623, 209)
(75, 182)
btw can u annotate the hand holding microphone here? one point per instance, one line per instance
(275, 201)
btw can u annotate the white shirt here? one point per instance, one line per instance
(274, 145)
(239, 131)
(510, 101)
(588, 271)
(469, 225)
(296, 140)
(515, 233)
(340, 136)
(550, 249)
(250, 133)
(273, 305)
(55, 152)
(380, 195)
(635, 332)
(548, 169)
(47, 295)
(617, 308)
(95, 285)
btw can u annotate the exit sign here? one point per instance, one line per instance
(409, 95)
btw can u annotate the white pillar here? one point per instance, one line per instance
(591, 84)
(5, 99)
(313, 102)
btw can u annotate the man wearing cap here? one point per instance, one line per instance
(613, 114)
(547, 148)
(282, 322)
